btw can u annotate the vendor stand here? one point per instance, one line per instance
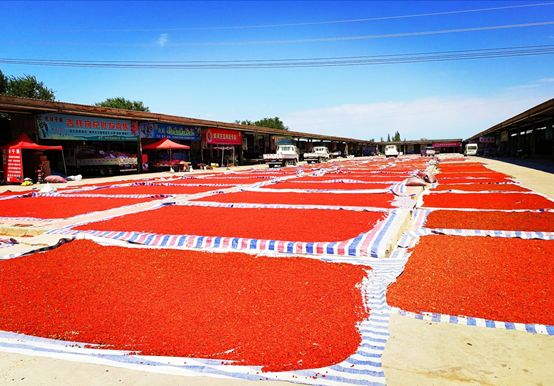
(12, 157)
(169, 145)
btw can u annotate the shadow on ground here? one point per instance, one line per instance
(544, 165)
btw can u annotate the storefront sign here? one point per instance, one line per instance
(447, 144)
(76, 127)
(165, 130)
(487, 140)
(13, 165)
(277, 140)
(222, 137)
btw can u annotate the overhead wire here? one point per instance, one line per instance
(361, 60)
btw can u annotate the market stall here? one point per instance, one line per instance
(93, 145)
(12, 157)
(169, 145)
(222, 145)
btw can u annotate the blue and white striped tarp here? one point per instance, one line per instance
(88, 195)
(373, 243)
(533, 328)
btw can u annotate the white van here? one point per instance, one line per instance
(470, 149)
(391, 151)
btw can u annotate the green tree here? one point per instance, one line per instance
(3, 83)
(122, 103)
(396, 136)
(388, 137)
(245, 122)
(25, 86)
(274, 123)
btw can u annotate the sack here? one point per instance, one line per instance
(55, 179)
(427, 177)
(415, 181)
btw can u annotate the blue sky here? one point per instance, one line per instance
(451, 99)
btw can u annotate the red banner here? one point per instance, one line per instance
(13, 165)
(222, 137)
(447, 144)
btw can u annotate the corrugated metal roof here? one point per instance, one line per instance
(540, 112)
(17, 104)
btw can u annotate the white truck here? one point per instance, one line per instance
(391, 151)
(285, 155)
(319, 154)
(429, 151)
(471, 149)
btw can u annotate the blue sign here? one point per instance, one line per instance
(77, 127)
(167, 130)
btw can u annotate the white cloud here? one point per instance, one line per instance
(162, 40)
(546, 80)
(433, 117)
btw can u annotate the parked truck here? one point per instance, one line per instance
(319, 154)
(471, 149)
(391, 151)
(285, 155)
(429, 151)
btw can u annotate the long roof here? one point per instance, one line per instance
(29, 105)
(540, 113)
(419, 141)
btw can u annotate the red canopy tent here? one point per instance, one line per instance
(12, 157)
(165, 144)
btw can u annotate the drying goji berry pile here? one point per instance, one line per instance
(257, 223)
(282, 314)
(347, 176)
(156, 189)
(60, 207)
(482, 187)
(487, 201)
(222, 181)
(325, 186)
(382, 200)
(509, 221)
(491, 175)
(473, 179)
(500, 279)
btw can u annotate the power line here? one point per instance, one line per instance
(323, 22)
(363, 60)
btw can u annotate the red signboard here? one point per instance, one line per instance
(447, 144)
(222, 137)
(13, 165)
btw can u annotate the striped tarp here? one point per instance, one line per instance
(85, 195)
(323, 190)
(480, 322)
(370, 244)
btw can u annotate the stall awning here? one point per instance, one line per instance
(25, 143)
(165, 144)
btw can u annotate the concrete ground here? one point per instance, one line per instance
(425, 353)
(417, 353)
